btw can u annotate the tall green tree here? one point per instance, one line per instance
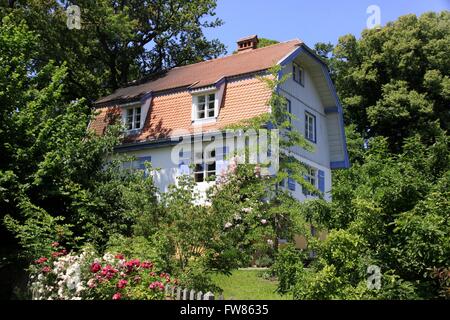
(390, 209)
(394, 82)
(119, 41)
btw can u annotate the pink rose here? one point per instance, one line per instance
(95, 267)
(41, 260)
(120, 256)
(146, 265)
(55, 244)
(46, 269)
(117, 296)
(156, 285)
(108, 272)
(56, 254)
(122, 283)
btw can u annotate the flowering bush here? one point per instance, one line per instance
(71, 276)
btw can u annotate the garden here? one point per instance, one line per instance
(76, 224)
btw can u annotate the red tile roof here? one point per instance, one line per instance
(208, 72)
(243, 99)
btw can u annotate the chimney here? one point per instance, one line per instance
(247, 43)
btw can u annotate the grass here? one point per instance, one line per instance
(247, 284)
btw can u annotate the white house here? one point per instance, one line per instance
(201, 99)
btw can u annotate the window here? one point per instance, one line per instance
(138, 164)
(133, 118)
(205, 167)
(205, 106)
(311, 177)
(298, 74)
(310, 127)
(289, 110)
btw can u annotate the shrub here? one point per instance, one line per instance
(77, 276)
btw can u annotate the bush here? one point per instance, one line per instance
(287, 267)
(77, 276)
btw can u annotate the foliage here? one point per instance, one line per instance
(394, 82)
(264, 42)
(54, 178)
(390, 209)
(119, 41)
(287, 267)
(77, 276)
(38, 230)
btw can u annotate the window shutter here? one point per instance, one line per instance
(321, 177)
(221, 160)
(185, 163)
(291, 184)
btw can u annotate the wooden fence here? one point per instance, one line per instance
(178, 293)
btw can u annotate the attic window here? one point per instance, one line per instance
(298, 74)
(133, 118)
(205, 106)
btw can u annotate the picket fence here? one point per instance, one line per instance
(179, 293)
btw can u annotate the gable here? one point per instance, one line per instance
(323, 88)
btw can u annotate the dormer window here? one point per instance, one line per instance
(205, 106)
(133, 118)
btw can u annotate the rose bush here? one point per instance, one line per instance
(76, 276)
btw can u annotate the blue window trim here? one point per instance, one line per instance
(289, 109)
(315, 127)
(291, 184)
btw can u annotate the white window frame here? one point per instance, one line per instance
(312, 178)
(310, 133)
(203, 163)
(298, 74)
(134, 116)
(207, 106)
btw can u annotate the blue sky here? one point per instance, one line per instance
(312, 21)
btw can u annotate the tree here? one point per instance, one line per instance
(264, 42)
(390, 209)
(119, 41)
(53, 180)
(394, 82)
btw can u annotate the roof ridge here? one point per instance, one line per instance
(208, 71)
(236, 54)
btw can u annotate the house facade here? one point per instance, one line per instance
(164, 117)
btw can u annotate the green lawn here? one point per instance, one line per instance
(248, 285)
